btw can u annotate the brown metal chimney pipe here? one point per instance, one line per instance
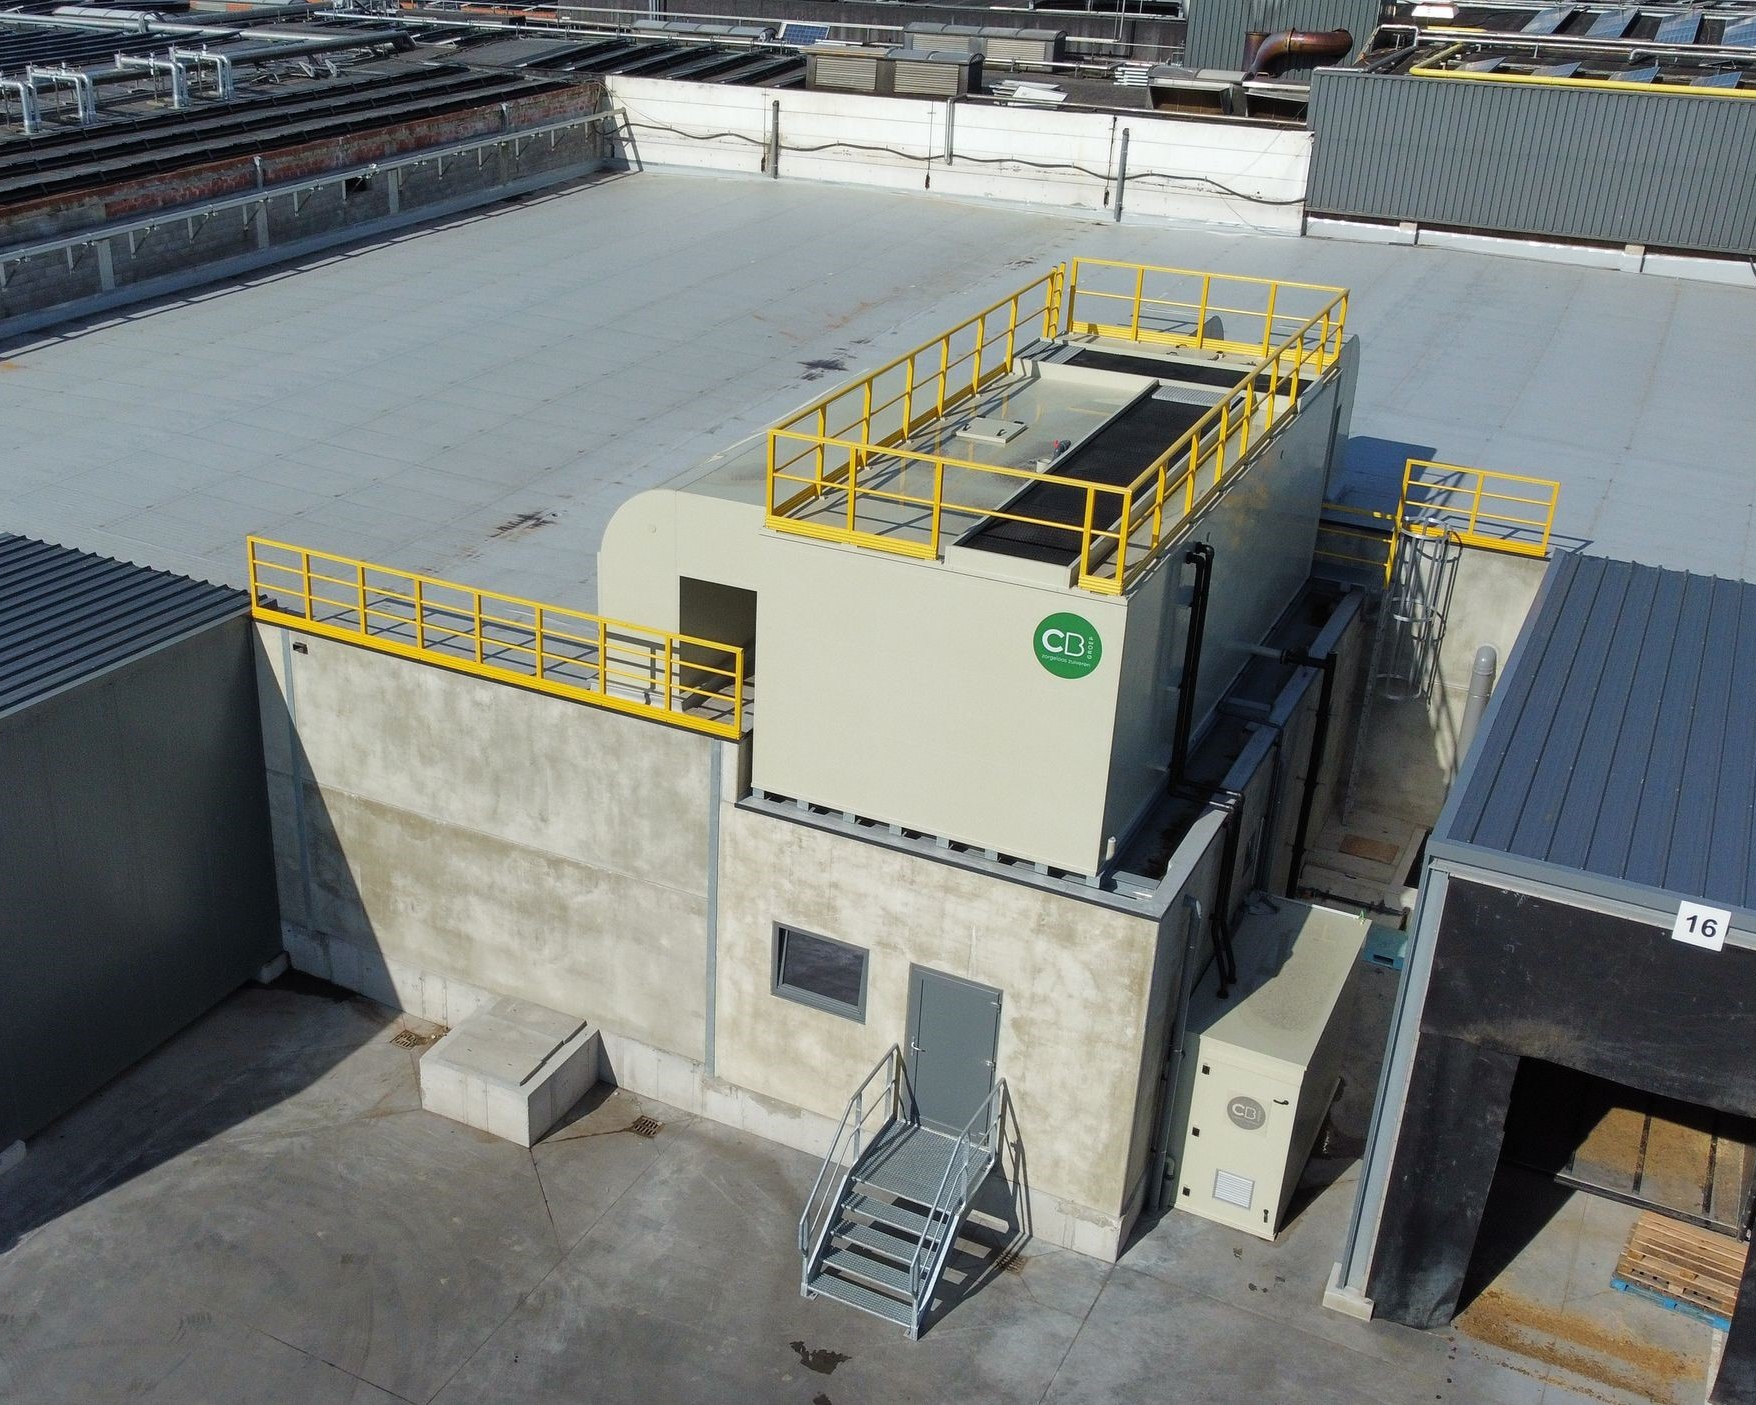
(1294, 43)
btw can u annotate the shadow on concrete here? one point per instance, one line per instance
(257, 1049)
(1372, 469)
(999, 1226)
(1521, 1204)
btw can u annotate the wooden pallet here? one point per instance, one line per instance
(1689, 1270)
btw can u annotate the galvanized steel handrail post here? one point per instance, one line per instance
(851, 1130)
(949, 1202)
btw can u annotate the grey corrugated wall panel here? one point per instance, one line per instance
(1217, 27)
(1669, 171)
(137, 880)
(67, 615)
(1621, 741)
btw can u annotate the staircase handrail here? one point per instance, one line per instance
(948, 1204)
(851, 1127)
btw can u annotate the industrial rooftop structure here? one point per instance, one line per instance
(858, 576)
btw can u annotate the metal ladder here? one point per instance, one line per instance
(885, 1210)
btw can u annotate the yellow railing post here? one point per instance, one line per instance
(1085, 534)
(944, 369)
(604, 657)
(1475, 507)
(669, 706)
(360, 588)
(420, 616)
(1201, 315)
(853, 486)
(539, 640)
(975, 373)
(1139, 291)
(938, 504)
(1268, 321)
(1011, 332)
(305, 579)
(478, 630)
(1225, 431)
(822, 434)
(1123, 529)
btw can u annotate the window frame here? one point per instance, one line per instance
(810, 998)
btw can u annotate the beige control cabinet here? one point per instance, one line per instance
(1262, 1064)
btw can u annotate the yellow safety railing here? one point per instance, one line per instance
(1479, 506)
(1186, 307)
(1436, 67)
(669, 677)
(885, 406)
(839, 469)
(1357, 536)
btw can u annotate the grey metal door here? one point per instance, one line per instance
(953, 1035)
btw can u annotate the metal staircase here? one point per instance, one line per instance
(886, 1207)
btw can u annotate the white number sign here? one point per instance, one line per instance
(1702, 926)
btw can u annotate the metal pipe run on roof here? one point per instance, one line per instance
(1418, 36)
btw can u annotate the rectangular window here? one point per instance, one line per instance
(820, 972)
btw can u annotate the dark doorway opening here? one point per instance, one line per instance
(1693, 1163)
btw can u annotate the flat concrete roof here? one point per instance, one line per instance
(474, 400)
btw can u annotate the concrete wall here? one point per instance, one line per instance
(1173, 163)
(1083, 985)
(430, 823)
(136, 880)
(1410, 756)
(440, 838)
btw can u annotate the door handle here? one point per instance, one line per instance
(914, 1048)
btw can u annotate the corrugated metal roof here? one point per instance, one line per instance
(1622, 739)
(66, 615)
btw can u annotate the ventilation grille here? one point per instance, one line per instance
(1233, 1189)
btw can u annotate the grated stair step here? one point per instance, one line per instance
(858, 1295)
(875, 1273)
(873, 1240)
(898, 1217)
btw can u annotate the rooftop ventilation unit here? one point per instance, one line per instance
(903, 73)
(996, 43)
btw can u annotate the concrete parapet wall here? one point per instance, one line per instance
(1224, 173)
(433, 825)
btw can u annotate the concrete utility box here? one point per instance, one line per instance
(1263, 1064)
(512, 1068)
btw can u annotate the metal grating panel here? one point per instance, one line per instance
(67, 615)
(1621, 741)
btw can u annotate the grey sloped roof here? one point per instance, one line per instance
(1622, 739)
(66, 615)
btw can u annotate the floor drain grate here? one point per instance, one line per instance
(412, 1039)
(646, 1127)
